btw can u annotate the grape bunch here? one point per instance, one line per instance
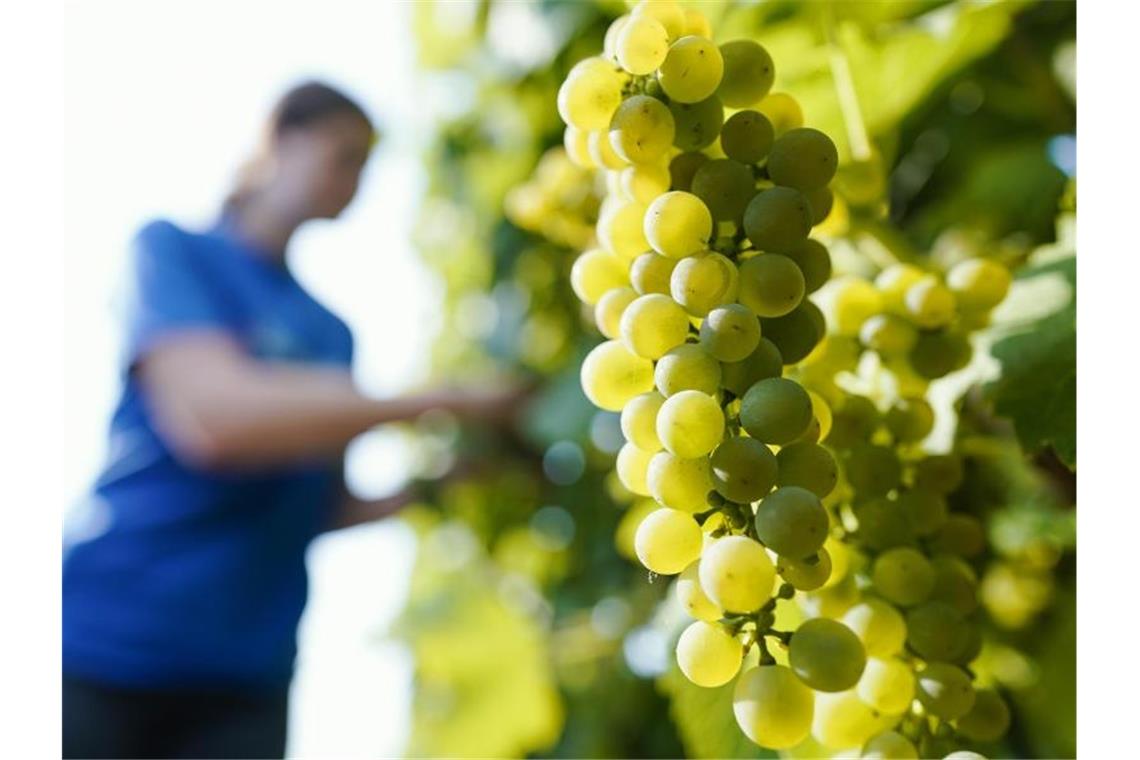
(699, 279)
(559, 202)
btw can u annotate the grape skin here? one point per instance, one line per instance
(772, 707)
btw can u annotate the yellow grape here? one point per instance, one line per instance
(678, 224)
(611, 375)
(889, 745)
(930, 303)
(772, 707)
(639, 421)
(590, 94)
(667, 541)
(703, 282)
(641, 45)
(620, 230)
(650, 273)
(693, 599)
(842, 720)
(878, 625)
(782, 110)
(645, 182)
(682, 484)
(707, 655)
(887, 685)
(602, 151)
(610, 307)
(652, 325)
(979, 284)
(737, 574)
(688, 367)
(893, 283)
(595, 273)
(853, 301)
(697, 24)
(613, 32)
(641, 131)
(577, 145)
(692, 69)
(690, 424)
(632, 464)
(667, 12)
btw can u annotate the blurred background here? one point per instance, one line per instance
(504, 618)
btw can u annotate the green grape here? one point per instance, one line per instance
(691, 70)
(639, 421)
(887, 685)
(678, 224)
(883, 525)
(941, 473)
(697, 124)
(955, 583)
(826, 655)
(761, 364)
(889, 745)
(936, 630)
(748, 73)
(971, 649)
(690, 424)
(853, 302)
(814, 261)
(833, 599)
(650, 273)
(595, 273)
(853, 422)
(888, 334)
(652, 325)
(730, 333)
(893, 283)
(696, 23)
(743, 469)
(632, 465)
(808, 465)
(668, 540)
(843, 721)
(872, 470)
(792, 522)
(910, 419)
(613, 32)
(803, 158)
(682, 484)
(782, 110)
(925, 511)
(644, 182)
(577, 145)
(611, 375)
(641, 45)
(903, 576)
(590, 94)
(607, 314)
(703, 282)
(620, 231)
(688, 367)
(929, 303)
(693, 599)
(822, 414)
(960, 534)
(987, 720)
(878, 625)
(776, 410)
(683, 167)
(707, 655)
(726, 187)
(806, 574)
(797, 333)
(602, 151)
(736, 574)
(978, 284)
(821, 200)
(747, 136)
(667, 12)
(642, 128)
(771, 285)
(777, 219)
(772, 707)
(945, 691)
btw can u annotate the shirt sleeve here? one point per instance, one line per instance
(169, 290)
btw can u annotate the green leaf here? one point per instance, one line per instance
(705, 720)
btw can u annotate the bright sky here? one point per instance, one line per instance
(163, 101)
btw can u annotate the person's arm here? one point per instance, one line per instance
(352, 511)
(219, 408)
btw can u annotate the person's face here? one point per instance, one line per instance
(319, 166)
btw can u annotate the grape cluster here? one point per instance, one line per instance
(558, 203)
(699, 281)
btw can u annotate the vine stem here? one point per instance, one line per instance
(845, 90)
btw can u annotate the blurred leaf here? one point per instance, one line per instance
(705, 719)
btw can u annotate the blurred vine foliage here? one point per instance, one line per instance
(532, 632)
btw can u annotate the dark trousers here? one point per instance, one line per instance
(109, 722)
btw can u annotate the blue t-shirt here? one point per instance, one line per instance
(182, 576)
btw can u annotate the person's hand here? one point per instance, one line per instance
(499, 404)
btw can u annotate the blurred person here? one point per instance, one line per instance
(181, 602)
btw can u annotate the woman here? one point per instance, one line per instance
(181, 601)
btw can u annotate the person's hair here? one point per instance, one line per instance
(303, 105)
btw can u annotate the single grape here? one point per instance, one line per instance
(987, 720)
(696, 23)
(936, 630)
(792, 522)
(643, 183)
(682, 484)
(945, 691)
(929, 303)
(703, 282)
(683, 167)
(607, 314)
(806, 574)
(782, 110)
(910, 419)
(611, 375)
(730, 333)
(668, 12)
(797, 333)
(889, 745)
(620, 230)
(803, 158)
(887, 685)
(641, 45)
(808, 465)
(678, 224)
(836, 596)
(692, 69)
(632, 465)
(736, 574)
(690, 424)
(853, 422)
(960, 534)
(955, 583)
(726, 187)
(650, 273)
(639, 421)
(821, 200)
(843, 721)
(707, 655)
(826, 655)
(872, 470)
(903, 576)
(978, 284)
(924, 510)
(688, 367)
(771, 285)
(814, 261)
(743, 469)
(777, 219)
(667, 541)
(941, 473)
(878, 625)
(613, 32)
(883, 525)
(653, 324)
(590, 94)
(852, 301)
(761, 364)
(693, 599)
(747, 137)
(577, 145)
(642, 129)
(772, 707)
(776, 410)
(748, 73)
(595, 273)
(888, 334)
(697, 125)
